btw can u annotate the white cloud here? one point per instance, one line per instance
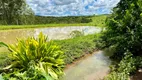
(71, 7)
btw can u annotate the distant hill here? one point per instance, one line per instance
(93, 20)
(96, 20)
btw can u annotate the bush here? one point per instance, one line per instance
(127, 64)
(124, 28)
(124, 31)
(35, 59)
(125, 68)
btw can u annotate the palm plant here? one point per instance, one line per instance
(48, 58)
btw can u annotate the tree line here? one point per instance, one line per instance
(66, 19)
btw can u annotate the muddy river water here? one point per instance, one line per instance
(9, 36)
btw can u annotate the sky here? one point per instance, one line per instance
(71, 7)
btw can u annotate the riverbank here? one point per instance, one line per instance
(77, 47)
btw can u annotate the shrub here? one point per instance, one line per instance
(124, 28)
(127, 64)
(124, 31)
(35, 57)
(126, 67)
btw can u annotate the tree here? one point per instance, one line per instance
(27, 16)
(12, 10)
(124, 29)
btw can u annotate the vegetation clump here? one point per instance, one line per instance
(124, 34)
(123, 69)
(124, 28)
(34, 59)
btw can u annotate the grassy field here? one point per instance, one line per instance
(98, 21)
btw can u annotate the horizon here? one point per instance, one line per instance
(59, 8)
(74, 16)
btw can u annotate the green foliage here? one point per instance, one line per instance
(124, 31)
(14, 12)
(117, 76)
(124, 69)
(3, 44)
(127, 65)
(77, 47)
(43, 58)
(124, 28)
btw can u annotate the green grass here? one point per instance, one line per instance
(77, 47)
(98, 21)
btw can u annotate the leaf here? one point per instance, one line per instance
(3, 44)
(52, 73)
